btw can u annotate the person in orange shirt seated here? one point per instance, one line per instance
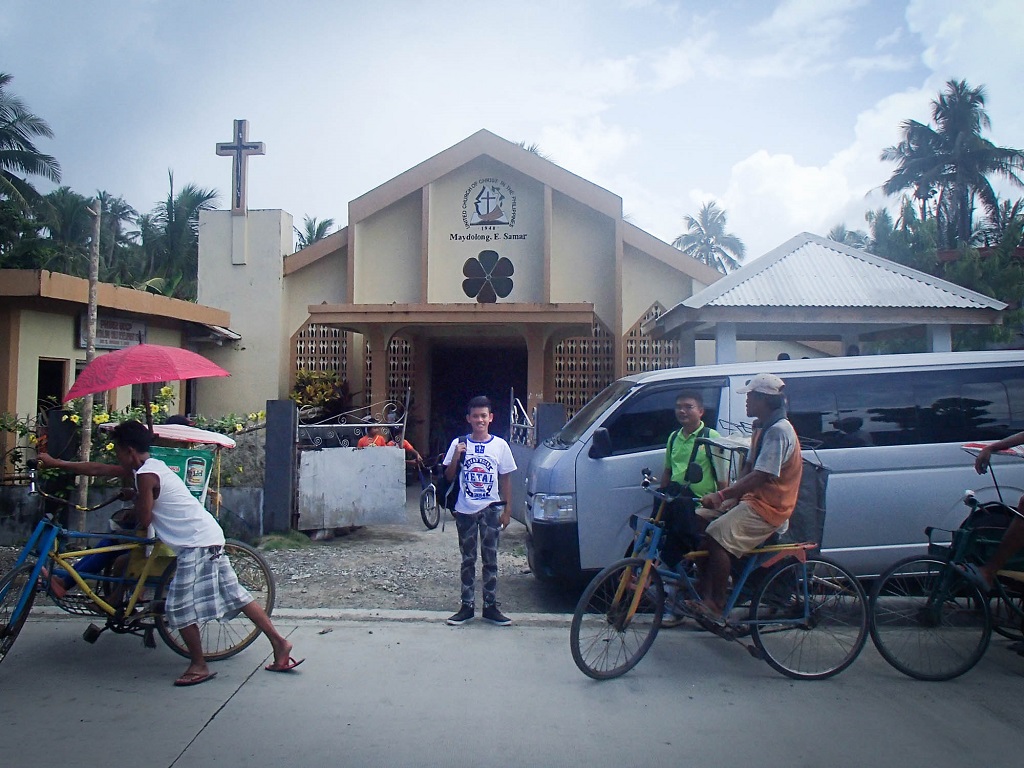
(376, 436)
(743, 515)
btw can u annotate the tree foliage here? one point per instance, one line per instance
(707, 241)
(952, 162)
(312, 231)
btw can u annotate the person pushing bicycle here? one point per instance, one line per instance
(204, 587)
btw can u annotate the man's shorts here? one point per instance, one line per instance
(739, 531)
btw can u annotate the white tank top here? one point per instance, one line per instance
(179, 520)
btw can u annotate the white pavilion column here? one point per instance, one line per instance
(687, 349)
(725, 343)
(940, 338)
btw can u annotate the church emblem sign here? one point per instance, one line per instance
(488, 277)
(489, 203)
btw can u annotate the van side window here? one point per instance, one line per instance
(647, 419)
(908, 408)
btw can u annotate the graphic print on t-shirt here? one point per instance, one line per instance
(479, 474)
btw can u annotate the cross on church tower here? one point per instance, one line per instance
(239, 151)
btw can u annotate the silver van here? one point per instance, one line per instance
(889, 427)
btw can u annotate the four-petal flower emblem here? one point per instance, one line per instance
(488, 277)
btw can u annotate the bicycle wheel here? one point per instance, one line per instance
(810, 619)
(12, 586)
(927, 620)
(608, 638)
(1007, 609)
(223, 639)
(429, 511)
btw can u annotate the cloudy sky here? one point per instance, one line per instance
(776, 109)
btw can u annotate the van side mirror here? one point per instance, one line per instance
(602, 444)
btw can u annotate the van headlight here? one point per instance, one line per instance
(554, 508)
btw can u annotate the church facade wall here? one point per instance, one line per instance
(388, 267)
(583, 258)
(457, 233)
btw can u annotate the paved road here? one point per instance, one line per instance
(403, 689)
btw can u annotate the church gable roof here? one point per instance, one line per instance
(483, 142)
(811, 271)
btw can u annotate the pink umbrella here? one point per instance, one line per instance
(141, 364)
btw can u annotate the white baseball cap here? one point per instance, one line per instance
(765, 383)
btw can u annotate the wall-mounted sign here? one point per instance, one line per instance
(488, 205)
(112, 332)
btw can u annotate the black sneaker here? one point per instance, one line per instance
(493, 615)
(465, 614)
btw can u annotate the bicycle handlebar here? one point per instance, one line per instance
(665, 494)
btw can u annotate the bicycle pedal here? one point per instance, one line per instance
(754, 651)
(92, 633)
(148, 640)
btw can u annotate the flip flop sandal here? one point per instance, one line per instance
(286, 667)
(193, 678)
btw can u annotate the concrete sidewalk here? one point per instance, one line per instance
(403, 689)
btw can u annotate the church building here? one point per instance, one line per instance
(485, 269)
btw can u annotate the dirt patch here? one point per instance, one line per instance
(399, 566)
(392, 566)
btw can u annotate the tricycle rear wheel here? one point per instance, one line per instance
(929, 621)
(815, 639)
(223, 639)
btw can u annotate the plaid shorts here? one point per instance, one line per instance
(204, 588)
(740, 530)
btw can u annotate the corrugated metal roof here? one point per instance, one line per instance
(810, 271)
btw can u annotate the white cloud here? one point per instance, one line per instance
(889, 40)
(683, 63)
(588, 147)
(861, 66)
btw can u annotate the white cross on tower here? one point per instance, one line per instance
(239, 151)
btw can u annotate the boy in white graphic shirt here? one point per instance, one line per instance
(484, 465)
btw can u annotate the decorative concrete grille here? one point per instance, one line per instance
(401, 370)
(646, 354)
(584, 365)
(322, 348)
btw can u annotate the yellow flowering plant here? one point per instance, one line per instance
(161, 407)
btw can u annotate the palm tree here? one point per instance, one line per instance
(533, 148)
(18, 155)
(952, 161)
(998, 222)
(116, 241)
(854, 238)
(312, 231)
(707, 241)
(175, 254)
(67, 218)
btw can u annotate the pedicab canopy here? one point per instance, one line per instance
(194, 454)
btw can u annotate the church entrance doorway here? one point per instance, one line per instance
(462, 371)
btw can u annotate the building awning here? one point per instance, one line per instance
(205, 333)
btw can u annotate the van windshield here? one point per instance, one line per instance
(588, 414)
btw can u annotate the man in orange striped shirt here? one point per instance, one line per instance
(743, 515)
